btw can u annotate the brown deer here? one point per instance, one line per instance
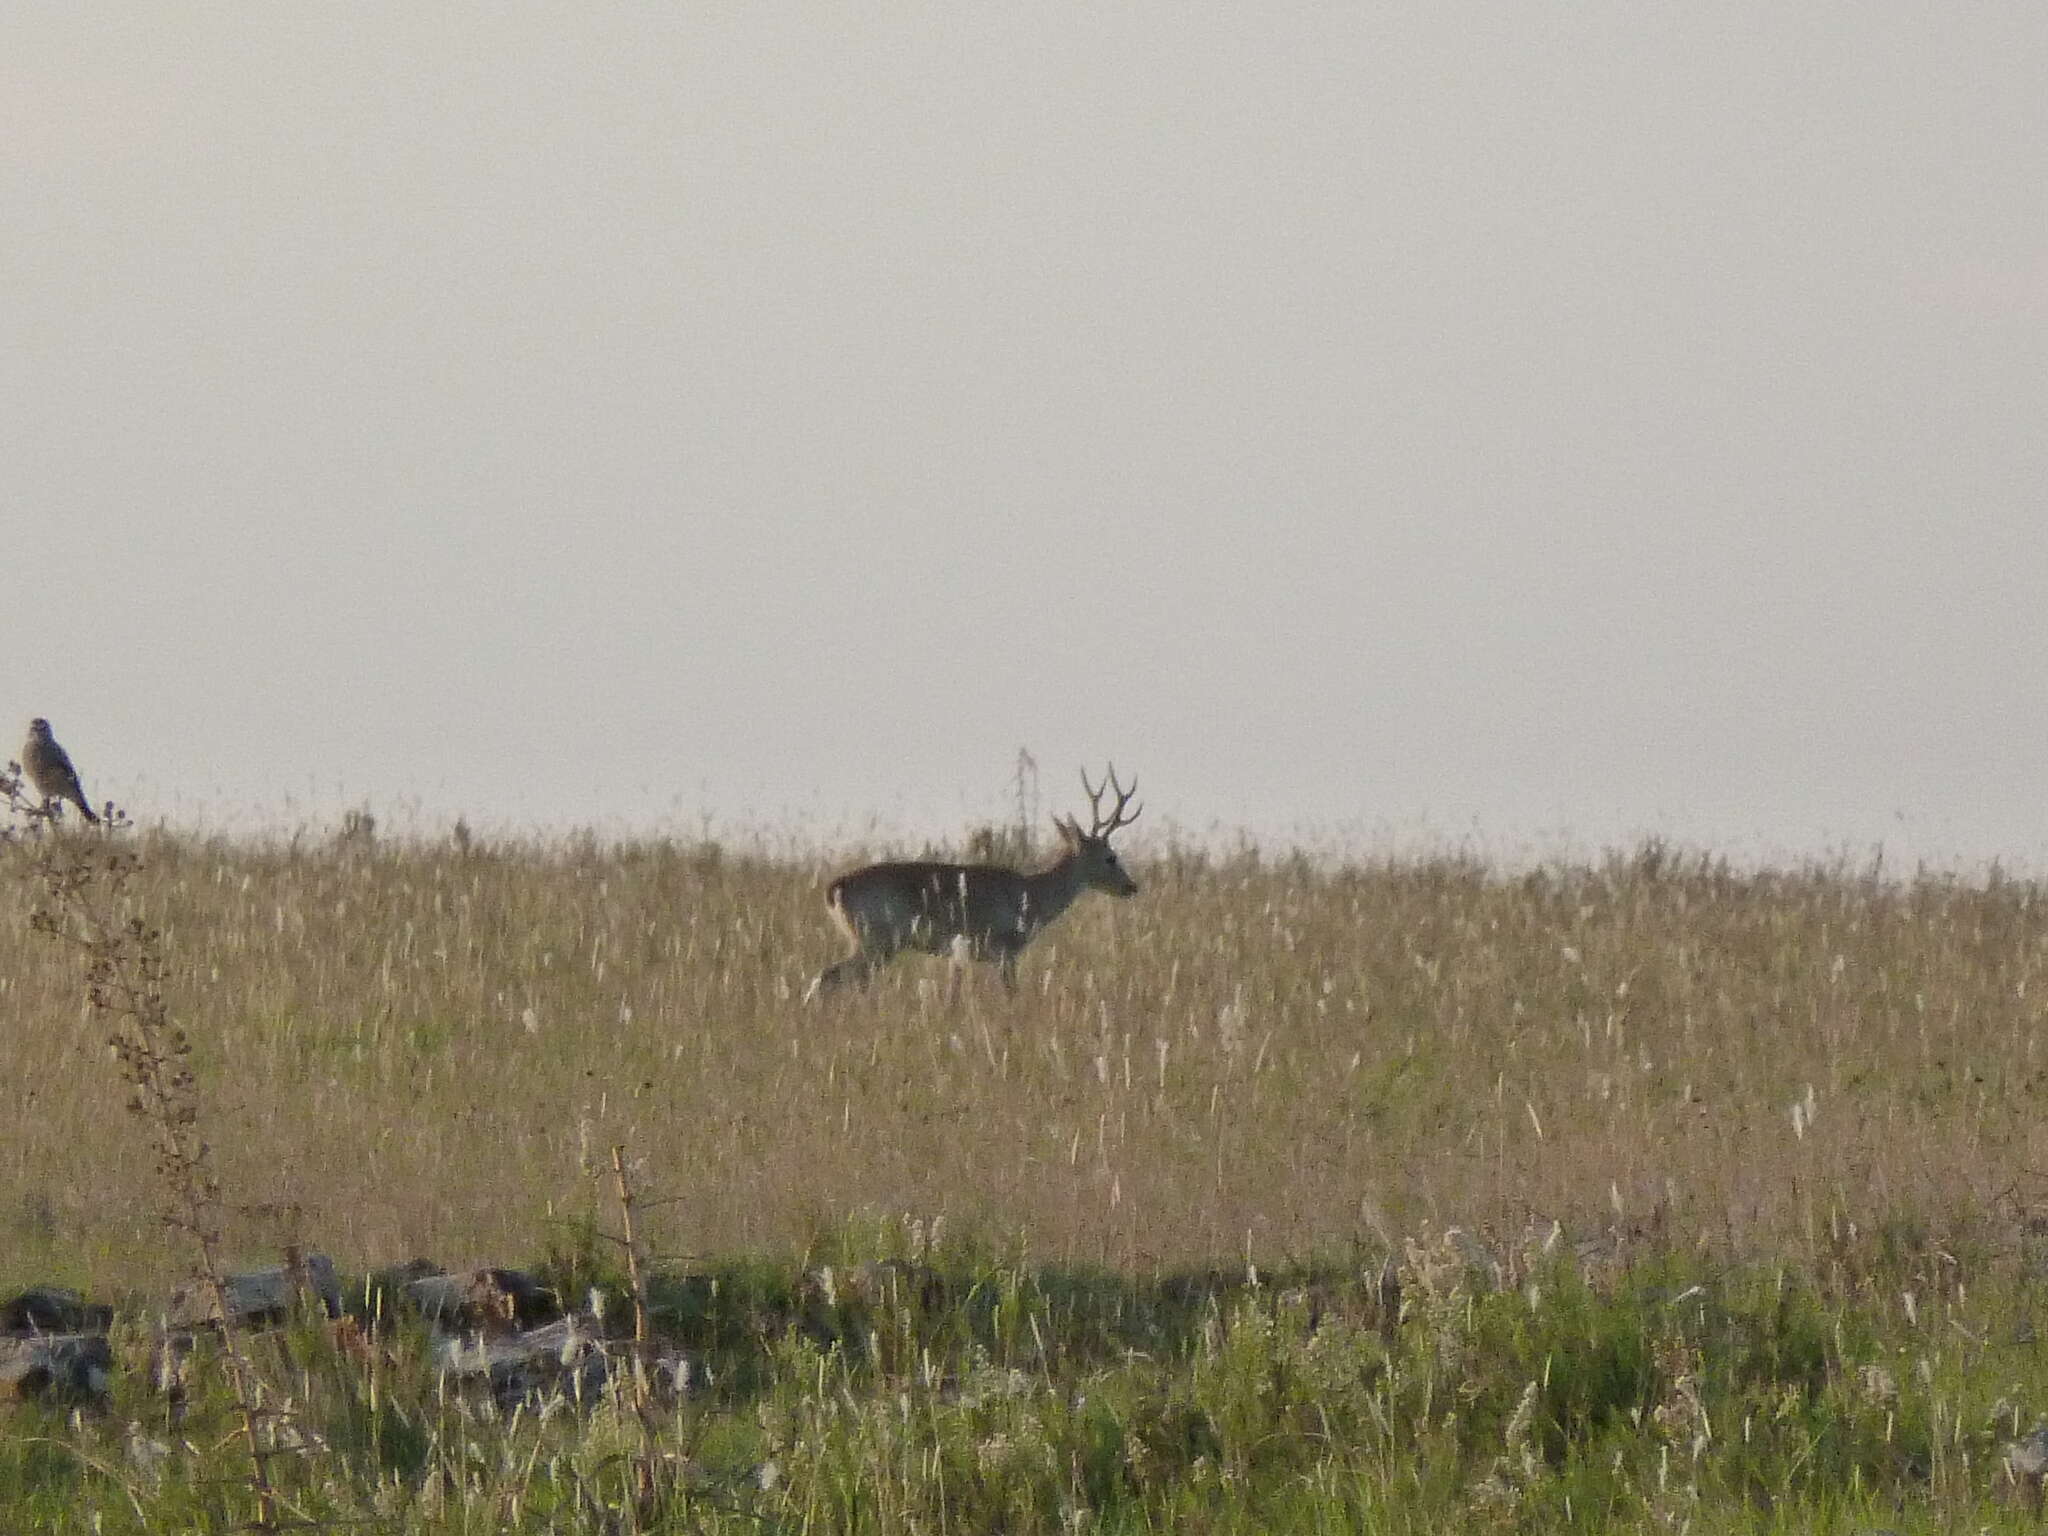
(975, 911)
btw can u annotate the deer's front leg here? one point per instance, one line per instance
(1006, 965)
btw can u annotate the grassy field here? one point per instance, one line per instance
(1163, 1185)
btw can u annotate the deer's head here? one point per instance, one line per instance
(1094, 860)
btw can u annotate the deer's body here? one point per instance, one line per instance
(969, 911)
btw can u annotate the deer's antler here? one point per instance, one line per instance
(1103, 826)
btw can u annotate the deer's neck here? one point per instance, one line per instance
(1050, 891)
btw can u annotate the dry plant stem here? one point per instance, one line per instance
(125, 982)
(646, 1467)
(626, 1198)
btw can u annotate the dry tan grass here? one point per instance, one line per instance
(419, 1049)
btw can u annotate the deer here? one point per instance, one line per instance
(975, 911)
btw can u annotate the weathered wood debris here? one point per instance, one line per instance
(503, 1329)
(496, 1330)
(48, 1310)
(259, 1298)
(55, 1367)
(53, 1347)
(491, 1301)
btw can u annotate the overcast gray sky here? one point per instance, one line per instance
(1497, 420)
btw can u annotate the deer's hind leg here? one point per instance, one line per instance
(855, 967)
(869, 949)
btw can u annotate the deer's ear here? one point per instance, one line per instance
(1068, 829)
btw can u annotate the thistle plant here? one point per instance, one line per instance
(80, 884)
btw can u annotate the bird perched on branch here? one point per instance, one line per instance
(49, 769)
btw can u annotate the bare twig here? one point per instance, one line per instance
(649, 1472)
